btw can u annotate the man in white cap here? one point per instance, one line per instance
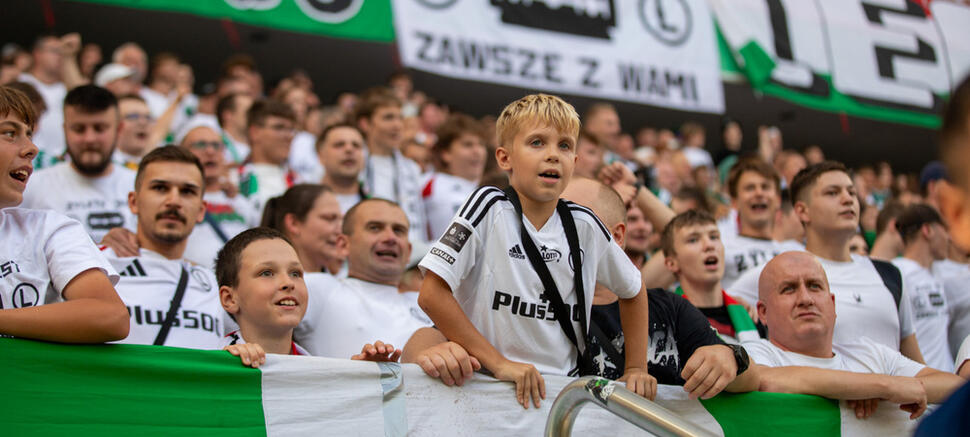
(117, 78)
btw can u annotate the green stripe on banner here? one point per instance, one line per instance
(365, 20)
(126, 390)
(774, 414)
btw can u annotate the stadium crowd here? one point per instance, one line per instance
(383, 226)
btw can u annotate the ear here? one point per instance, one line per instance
(343, 246)
(228, 298)
(955, 208)
(801, 211)
(202, 212)
(619, 234)
(671, 264)
(291, 225)
(763, 312)
(502, 157)
(132, 204)
(364, 125)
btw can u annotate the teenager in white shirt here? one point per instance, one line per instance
(90, 188)
(925, 240)
(388, 174)
(825, 201)
(55, 284)
(459, 155)
(340, 150)
(266, 174)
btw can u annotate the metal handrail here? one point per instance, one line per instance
(618, 400)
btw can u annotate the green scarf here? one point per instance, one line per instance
(744, 329)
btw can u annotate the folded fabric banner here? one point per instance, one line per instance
(56, 390)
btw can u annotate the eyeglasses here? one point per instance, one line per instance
(202, 145)
(134, 116)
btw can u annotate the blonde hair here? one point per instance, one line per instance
(542, 109)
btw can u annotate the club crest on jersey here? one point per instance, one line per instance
(456, 236)
(198, 273)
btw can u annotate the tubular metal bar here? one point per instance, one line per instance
(618, 400)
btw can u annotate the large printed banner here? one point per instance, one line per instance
(358, 19)
(108, 390)
(892, 60)
(657, 52)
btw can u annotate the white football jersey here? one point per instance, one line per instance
(345, 314)
(147, 286)
(931, 315)
(442, 196)
(481, 258)
(398, 179)
(40, 253)
(98, 203)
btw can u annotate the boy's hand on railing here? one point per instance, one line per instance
(528, 382)
(378, 352)
(640, 382)
(251, 354)
(448, 362)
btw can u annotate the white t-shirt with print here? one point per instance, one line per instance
(303, 157)
(931, 317)
(98, 203)
(260, 182)
(957, 290)
(442, 196)
(860, 356)
(147, 286)
(232, 214)
(49, 136)
(345, 314)
(742, 253)
(40, 253)
(863, 304)
(482, 260)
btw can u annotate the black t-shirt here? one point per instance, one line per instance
(676, 330)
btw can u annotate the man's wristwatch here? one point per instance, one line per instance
(740, 357)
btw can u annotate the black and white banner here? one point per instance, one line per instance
(657, 52)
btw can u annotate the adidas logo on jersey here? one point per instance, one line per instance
(133, 269)
(516, 252)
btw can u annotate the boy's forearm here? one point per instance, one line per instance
(76, 321)
(421, 339)
(440, 305)
(634, 319)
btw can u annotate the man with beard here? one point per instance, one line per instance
(89, 188)
(171, 302)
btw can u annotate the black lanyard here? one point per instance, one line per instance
(173, 308)
(563, 314)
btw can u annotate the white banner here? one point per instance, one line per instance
(657, 52)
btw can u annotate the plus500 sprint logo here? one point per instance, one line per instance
(532, 310)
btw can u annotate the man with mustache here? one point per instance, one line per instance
(171, 301)
(89, 187)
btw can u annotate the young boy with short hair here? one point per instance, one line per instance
(261, 285)
(483, 292)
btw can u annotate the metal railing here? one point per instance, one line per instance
(618, 400)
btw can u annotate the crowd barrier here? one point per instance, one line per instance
(56, 390)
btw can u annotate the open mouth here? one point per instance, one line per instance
(847, 214)
(141, 135)
(21, 174)
(759, 207)
(550, 176)
(711, 262)
(287, 302)
(387, 254)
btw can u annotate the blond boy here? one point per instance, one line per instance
(483, 293)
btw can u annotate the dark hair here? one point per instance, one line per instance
(90, 99)
(752, 164)
(348, 226)
(372, 99)
(328, 129)
(237, 60)
(226, 103)
(808, 175)
(132, 97)
(892, 209)
(297, 200)
(955, 135)
(227, 261)
(15, 102)
(449, 131)
(36, 100)
(169, 153)
(265, 108)
(680, 221)
(697, 195)
(913, 218)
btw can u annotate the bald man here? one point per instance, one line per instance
(683, 350)
(799, 310)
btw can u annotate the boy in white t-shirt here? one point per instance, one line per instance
(459, 155)
(55, 284)
(482, 291)
(261, 285)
